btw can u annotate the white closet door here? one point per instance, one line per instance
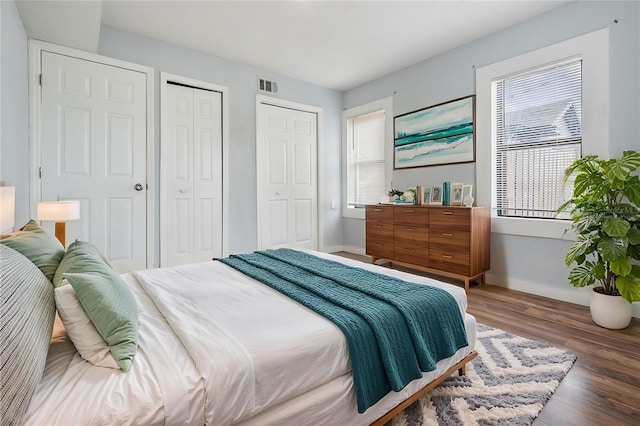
(287, 178)
(192, 175)
(94, 150)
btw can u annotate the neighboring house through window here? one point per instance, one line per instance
(536, 114)
(366, 139)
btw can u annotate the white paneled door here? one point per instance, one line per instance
(287, 178)
(192, 176)
(93, 149)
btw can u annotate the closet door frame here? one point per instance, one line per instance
(35, 49)
(165, 78)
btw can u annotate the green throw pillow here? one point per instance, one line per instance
(37, 245)
(80, 256)
(105, 298)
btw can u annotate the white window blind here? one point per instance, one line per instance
(366, 166)
(538, 134)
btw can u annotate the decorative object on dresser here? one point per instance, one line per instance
(426, 195)
(456, 194)
(394, 195)
(436, 195)
(467, 198)
(446, 240)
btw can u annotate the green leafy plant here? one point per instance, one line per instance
(605, 216)
(394, 193)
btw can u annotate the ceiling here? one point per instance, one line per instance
(335, 44)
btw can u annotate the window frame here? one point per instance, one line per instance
(593, 48)
(386, 105)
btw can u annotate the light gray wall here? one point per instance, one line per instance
(529, 264)
(242, 84)
(14, 110)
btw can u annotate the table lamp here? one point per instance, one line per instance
(59, 212)
(7, 208)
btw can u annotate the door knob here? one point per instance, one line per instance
(139, 187)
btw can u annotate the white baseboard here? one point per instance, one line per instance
(355, 250)
(565, 293)
(332, 249)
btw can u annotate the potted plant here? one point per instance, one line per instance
(394, 194)
(605, 216)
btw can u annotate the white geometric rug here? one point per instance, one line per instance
(508, 383)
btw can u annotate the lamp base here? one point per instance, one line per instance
(60, 233)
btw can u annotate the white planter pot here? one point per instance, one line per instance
(611, 312)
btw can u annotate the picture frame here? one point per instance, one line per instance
(439, 134)
(436, 195)
(467, 197)
(426, 195)
(456, 194)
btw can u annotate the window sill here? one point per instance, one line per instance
(540, 228)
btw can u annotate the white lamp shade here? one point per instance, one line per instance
(59, 211)
(7, 208)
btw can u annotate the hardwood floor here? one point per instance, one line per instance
(603, 387)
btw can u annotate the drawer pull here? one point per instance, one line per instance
(411, 229)
(377, 210)
(409, 211)
(447, 256)
(379, 244)
(410, 249)
(447, 234)
(377, 226)
(447, 213)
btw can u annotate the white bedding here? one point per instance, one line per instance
(162, 386)
(262, 358)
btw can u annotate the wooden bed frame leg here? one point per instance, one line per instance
(463, 370)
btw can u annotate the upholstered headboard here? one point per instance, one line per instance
(27, 313)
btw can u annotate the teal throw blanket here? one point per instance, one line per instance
(394, 329)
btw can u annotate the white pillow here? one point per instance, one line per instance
(88, 342)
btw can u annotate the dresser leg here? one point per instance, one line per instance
(466, 285)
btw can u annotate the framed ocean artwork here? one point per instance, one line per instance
(439, 134)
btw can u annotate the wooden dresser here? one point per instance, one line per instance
(446, 240)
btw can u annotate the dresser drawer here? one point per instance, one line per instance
(449, 261)
(379, 231)
(449, 240)
(450, 218)
(418, 255)
(380, 248)
(411, 234)
(412, 215)
(379, 213)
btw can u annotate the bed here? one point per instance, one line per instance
(219, 347)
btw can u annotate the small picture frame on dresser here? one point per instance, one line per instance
(456, 194)
(436, 195)
(467, 198)
(426, 195)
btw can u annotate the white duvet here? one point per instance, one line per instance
(218, 347)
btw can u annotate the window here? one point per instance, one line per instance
(366, 142)
(535, 113)
(537, 135)
(365, 150)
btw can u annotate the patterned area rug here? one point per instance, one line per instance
(507, 384)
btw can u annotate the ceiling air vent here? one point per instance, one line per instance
(267, 86)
